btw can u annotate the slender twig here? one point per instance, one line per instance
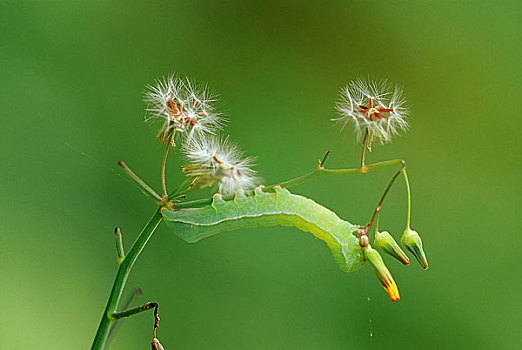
(114, 329)
(364, 148)
(139, 181)
(321, 170)
(325, 158)
(119, 245)
(366, 169)
(188, 190)
(147, 306)
(408, 192)
(377, 222)
(121, 278)
(298, 180)
(379, 205)
(178, 190)
(163, 170)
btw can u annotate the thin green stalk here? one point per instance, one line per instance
(298, 180)
(164, 167)
(408, 193)
(136, 310)
(178, 190)
(120, 251)
(188, 190)
(117, 324)
(139, 182)
(383, 197)
(364, 148)
(120, 280)
(365, 169)
(376, 224)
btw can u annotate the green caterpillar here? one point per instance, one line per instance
(270, 209)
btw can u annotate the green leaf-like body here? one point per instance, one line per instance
(269, 209)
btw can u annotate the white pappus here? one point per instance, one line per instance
(183, 108)
(374, 106)
(214, 159)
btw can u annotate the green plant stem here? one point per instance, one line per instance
(298, 180)
(163, 169)
(139, 181)
(114, 328)
(177, 192)
(364, 148)
(120, 251)
(408, 192)
(120, 280)
(364, 169)
(136, 310)
(379, 205)
(188, 190)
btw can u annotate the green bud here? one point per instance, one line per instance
(363, 241)
(383, 274)
(385, 242)
(412, 241)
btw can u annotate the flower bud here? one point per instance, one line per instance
(385, 242)
(382, 272)
(412, 241)
(363, 241)
(156, 345)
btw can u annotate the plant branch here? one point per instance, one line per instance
(379, 205)
(163, 168)
(112, 332)
(365, 142)
(129, 312)
(120, 280)
(177, 192)
(120, 251)
(139, 181)
(298, 180)
(408, 193)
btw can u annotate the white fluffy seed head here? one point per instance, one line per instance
(375, 106)
(182, 108)
(215, 159)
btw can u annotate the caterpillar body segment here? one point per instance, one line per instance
(269, 209)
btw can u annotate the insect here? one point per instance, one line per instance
(269, 209)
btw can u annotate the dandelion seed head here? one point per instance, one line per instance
(214, 159)
(375, 106)
(182, 108)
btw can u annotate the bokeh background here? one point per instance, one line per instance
(73, 76)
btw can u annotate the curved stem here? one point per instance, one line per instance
(298, 180)
(379, 205)
(408, 193)
(121, 278)
(163, 166)
(364, 169)
(114, 328)
(364, 148)
(320, 170)
(148, 190)
(178, 190)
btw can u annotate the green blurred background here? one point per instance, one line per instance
(73, 76)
